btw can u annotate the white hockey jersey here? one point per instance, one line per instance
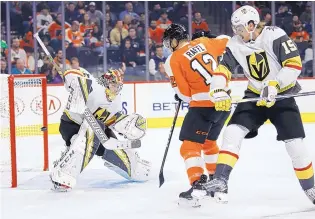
(272, 56)
(93, 97)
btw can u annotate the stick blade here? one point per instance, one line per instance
(161, 178)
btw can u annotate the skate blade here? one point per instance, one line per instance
(221, 198)
(189, 203)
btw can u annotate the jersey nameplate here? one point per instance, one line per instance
(192, 52)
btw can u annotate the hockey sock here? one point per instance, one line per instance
(210, 150)
(191, 152)
(225, 164)
(301, 162)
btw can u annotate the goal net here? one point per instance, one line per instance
(23, 127)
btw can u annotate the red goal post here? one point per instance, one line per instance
(24, 114)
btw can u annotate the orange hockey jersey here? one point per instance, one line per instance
(190, 67)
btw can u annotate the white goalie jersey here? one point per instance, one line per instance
(94, 97)
(272, 56)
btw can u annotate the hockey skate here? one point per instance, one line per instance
(310, 193)
(218, 188)
(191, 197)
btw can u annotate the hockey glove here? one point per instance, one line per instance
(222, 99)
(268, 93)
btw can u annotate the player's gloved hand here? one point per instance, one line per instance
(222, 99)
(268, 93)
(177, 97)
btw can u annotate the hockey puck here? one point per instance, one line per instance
(43, 129)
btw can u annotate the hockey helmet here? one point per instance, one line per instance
(174, 31)
(242, 17)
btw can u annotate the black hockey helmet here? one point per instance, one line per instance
(174, 31)
(203, 34)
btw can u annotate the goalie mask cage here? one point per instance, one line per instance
(23, 127)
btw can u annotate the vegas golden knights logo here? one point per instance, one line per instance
(258, 65)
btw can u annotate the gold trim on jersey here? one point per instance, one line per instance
(293, 62)
(88, 148)
(221, 69)
(84, 86)
(67, 114)
(73, 71)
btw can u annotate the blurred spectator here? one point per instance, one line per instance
(128, 11)
(109, 24)
(155, 14)
(138, 7)
(55, 32)
(300, 35)
(96, 16)
(27, 16)
(306, 16)
(129, 55)
(151, 48)
(72, 14)
(283, 11)
(44, 64)
(134, 40)
(53, 77)
(155, 33)
(75, 64)
(27, 40)
(74, 36)
(44, 18)
(86, 28)
(181, 11)
(3, 67)
(16, 16)
(58, 60)
(297, 24)
(16, 51)
(19, 68)
(156, 64)
(81, 7)
(49, 48)
(308, 54)
(30, 61)
(118, 34)
(252, 3)
(127, 21)
(266, 16)
(97, 41)
(112, 15)
(163, 22)
(198, 23)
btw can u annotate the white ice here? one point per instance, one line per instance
(262, 185)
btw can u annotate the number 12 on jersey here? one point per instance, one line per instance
(199, 67)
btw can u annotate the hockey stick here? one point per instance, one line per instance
(89, 117)
(161, 176)
(279, 97)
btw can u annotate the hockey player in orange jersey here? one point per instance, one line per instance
(189, 68)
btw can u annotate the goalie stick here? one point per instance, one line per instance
(89, 117)
(161, 175)
(278, 97)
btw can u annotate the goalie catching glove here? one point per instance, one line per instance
(268, 93)
(131, 126)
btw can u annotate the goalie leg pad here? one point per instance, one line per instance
(301, 161)
(127, 164)
(82, 149)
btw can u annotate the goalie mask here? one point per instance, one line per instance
(112, 80)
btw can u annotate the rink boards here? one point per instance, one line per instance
(155, 101)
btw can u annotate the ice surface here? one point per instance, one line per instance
(263, 185)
